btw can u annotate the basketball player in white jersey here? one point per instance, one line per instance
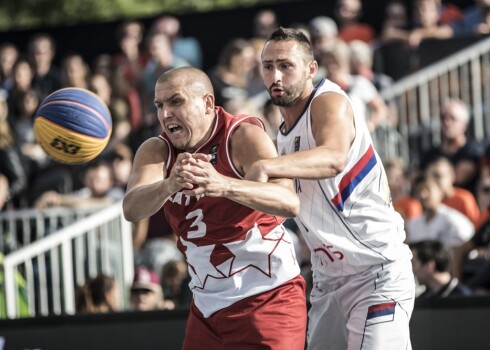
(363, 285)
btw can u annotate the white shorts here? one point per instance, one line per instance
(367, 311)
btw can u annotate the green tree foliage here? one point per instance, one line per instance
(16, 14)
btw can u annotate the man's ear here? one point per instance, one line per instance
(313, 69)
(209, 103)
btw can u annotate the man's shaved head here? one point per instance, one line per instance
(191, 77)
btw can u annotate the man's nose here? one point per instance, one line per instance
(277, 75)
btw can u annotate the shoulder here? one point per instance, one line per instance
(248, 130)
(473, 146)
(155, 149)
(329, 103)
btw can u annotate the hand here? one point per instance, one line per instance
(414, 38)
(198, 171)
(175, 181)
(257, 172)
(48, 199)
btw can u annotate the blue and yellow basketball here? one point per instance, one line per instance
(73, 125)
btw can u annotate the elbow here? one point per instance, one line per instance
(338, 166)
(129, 214)
(292, 208)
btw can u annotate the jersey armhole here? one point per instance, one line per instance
(170, 155)
(249, 120)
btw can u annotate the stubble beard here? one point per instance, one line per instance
(291, 95)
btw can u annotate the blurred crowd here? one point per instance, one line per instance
(445, 202)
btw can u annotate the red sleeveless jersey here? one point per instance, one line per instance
(232, 251)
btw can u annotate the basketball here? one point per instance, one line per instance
(73, 125)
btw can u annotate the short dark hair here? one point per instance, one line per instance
(433, 250)
(291, 34)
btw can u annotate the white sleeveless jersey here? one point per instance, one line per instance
(348, 221)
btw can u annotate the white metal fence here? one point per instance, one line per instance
(54, 264)
(416, 101)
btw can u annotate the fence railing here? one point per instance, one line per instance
(416, 101)
(55, 264)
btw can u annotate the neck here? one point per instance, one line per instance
(42, 70)
(438, 281)
(429, 214)
(451, 145)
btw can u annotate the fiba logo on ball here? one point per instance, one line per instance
(73, 125)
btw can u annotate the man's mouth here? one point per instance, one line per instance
(277, 91)
(174, 128)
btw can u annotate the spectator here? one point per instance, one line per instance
(362, 64)
(121, 160)
(230, 76)
(23, 75)
(474, 20)
(403, 202)
(324, 34)
(264, 23)
(396, 20)
(42, 50)
(474, 254)
(118, 107)
(432, 268)
(455, 197)
(4, 191)
(366, 100)
(463, 152)
(75, 72)
(121, 90)
(255, 85)
(161, 60)
(146, 292)
(130, 60)
(448, 12)
(175, 279)
(187, 48)
(97, 295)
(426, 24)
(483, 195)
(154, 242)
(438, 221)
(8, 56)
(99, 190)
(14, 178)
(23, 127)
(348, 14)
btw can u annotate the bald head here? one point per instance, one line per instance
(191, 77)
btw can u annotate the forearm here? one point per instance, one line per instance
(314, 164)
(143, 201)
(269, 197)
(77, 202)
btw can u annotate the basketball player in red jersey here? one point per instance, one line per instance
(247, 290)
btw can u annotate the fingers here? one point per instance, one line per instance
(202, 156)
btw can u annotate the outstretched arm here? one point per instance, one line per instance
(333, 131)
(148, 189)
(248, 144)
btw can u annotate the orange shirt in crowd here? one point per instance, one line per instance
(408, 207)
(463, 201)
